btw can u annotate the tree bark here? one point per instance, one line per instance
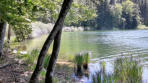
(58, 25)
(9, 34)
(53, 58)
(2, 36)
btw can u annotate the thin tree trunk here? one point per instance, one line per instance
(2, 36)
(9, 34)
(53, 58)
(58, 25)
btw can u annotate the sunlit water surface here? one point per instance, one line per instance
(104, 45)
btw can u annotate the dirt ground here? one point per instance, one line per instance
(12, 70)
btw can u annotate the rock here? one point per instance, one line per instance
(14, 51)
(73, 29)
(23, 52)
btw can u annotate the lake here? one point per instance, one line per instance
(104, 45)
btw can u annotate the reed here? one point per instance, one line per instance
(86, 57)
(79, 62)
(126, 70)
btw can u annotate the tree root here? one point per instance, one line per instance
(5, 65)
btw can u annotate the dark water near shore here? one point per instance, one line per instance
(104, 45)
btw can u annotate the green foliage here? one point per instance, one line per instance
(46, 61)
(78, 13)
(32, 57)
(131, 15)
(117, 15)
(18, 14)
(86, 57)
(43, 73)
(13, 11)
(127, 70)
(124, 15)
(104, 18)
(82, 58)
(79, 59)
(101, 76)
(22, 31)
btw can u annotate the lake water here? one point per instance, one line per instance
(104, 45)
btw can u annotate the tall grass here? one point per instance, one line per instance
(81, 60)
(46, 61)
(32, 57)
(101, 76)
(78, 60)
(86, 57)
(126, 70)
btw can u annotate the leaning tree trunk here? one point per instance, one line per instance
(58, 25)
(2, 36)
(56, 47)
(53, 58)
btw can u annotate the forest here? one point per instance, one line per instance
(73, 41)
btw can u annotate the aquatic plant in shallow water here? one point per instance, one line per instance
(78, 60)
(81, 60)
(101, 76)
(126, 70)
(86, 57)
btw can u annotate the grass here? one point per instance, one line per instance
(79, 62)
(79, 59)
(86, 60)
(86, 57)
(32, 57)
(46, 61)
(101, 76)
(126, 70)
(82, 58)
(63, 71)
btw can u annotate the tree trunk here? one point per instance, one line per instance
(58, 25)
(2, 36)
(9, 34)
(53, 58)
